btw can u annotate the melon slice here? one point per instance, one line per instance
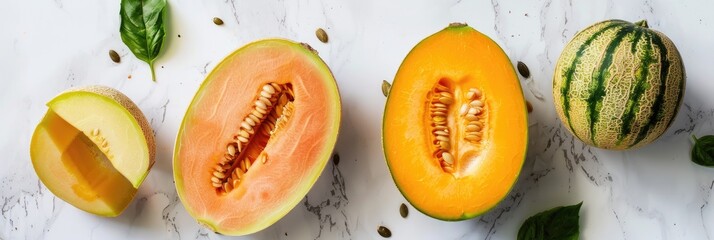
(256, 136)
(93, 149)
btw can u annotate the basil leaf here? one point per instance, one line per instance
(703, 151)
(554, 224)
(142, 28)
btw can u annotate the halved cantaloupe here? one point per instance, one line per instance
(93, 149)
(256, 136)
(455, 125)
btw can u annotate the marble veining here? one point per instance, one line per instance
(653, 192)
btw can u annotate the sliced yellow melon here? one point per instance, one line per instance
(93, 149)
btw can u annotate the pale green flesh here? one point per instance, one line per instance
(127, 148)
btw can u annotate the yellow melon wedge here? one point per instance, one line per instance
(93, 149)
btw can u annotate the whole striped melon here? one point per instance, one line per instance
(618, 85)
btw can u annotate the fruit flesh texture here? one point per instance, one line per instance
(75, 170)
(467, 59)
(296, 155)
(128, 150)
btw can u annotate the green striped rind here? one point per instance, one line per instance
(618, 85)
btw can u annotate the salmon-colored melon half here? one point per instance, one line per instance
(284, 161)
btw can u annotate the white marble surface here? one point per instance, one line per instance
(650, 193)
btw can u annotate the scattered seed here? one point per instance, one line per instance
(217, 21)
(264, 158)
(448, 157)
(114, 56)
(95, 132)
(442, 138)
(242, 139)
(336, 159)
(384, 232)
(471, 117)
(446, 94)
(247, 163)
(529, 106)
(442, 133)
(523, 69)
(219, 175)
(321, 35)
(403, 210)
(215, 184)
(448, 169)
(386, 87)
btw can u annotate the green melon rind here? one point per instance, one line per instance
(130, 109)
(465, 216)
(330, 142)
(585, 85)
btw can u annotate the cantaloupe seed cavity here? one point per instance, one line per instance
(457, 119)
(271, 110)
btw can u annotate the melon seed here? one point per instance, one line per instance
(476, 103)
(523, 69)
(529, 106)
(403, 210)
(95, 132)
(448, 157)
(384, 232)
(386, 87)
(231, 150)
(321, 35)
(217, 21)
(114, 56)
(446, 100)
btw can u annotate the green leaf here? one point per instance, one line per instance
(703, 151)
(554, 224)
(142, 28)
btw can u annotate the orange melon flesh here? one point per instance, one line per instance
(470, 60)
(296, 155)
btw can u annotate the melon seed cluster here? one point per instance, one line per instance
(440, 102)
(471, 112)
(271, 110)
(103, 144)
